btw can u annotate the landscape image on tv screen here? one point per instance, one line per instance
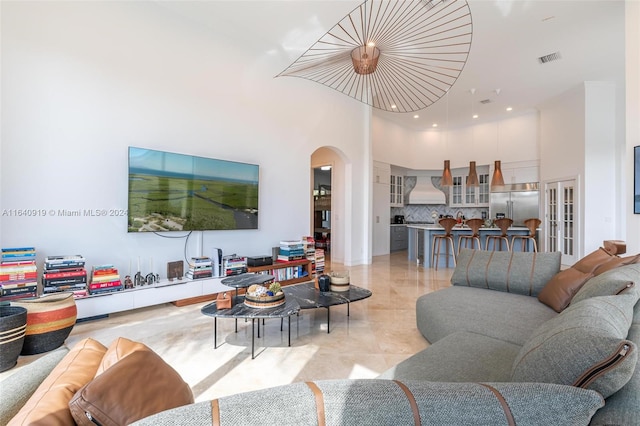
(177, 192)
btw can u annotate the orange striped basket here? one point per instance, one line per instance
(50, 319)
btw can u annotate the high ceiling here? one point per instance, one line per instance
(503, 68)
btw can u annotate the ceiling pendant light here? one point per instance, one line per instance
(447, 179)
(365, 59)
(472, 179)
(497, 179)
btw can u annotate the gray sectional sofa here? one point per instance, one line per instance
(498, 356)
(489, 326)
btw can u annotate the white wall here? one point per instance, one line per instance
(510, 140)
(82, 81)
(632, 64)
(600, 154)
(579, 138)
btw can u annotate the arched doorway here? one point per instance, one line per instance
(328, 200)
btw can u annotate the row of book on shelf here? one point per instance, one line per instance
(19, 273)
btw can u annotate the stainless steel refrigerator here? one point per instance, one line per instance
(518, 201)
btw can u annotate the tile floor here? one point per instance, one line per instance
(380, 332)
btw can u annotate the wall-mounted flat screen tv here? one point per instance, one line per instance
(178, 192)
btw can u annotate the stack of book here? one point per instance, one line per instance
(234, 265)
(18, 273)
(310, 251)
(200, 267)
(319, 262)
(65, 273)
(105, 279)
(291, 250)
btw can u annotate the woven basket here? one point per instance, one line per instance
(13, 323)
(339, 281)
(50, 319)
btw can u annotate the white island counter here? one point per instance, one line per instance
(422, 235)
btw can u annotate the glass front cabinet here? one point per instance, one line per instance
(461, 195)
(396, 191)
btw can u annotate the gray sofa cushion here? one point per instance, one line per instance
(459, 357)
(609, 283)
(505, 316)
(583, 338)
(24, 382)
(513, 272)
(385, 402)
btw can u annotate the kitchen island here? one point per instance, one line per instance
(422, 236)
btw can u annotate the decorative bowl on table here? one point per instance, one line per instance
(261, 297)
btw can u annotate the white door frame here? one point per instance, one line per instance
(563, 219)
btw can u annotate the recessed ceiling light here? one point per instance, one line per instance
(325, 168)
(394, 106)
(416, 116)
(475, 115)
(509, 109)
(434, 125)
(371, 44)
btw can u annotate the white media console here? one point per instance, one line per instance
(163, 291)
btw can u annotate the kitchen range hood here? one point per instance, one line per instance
(425, 192)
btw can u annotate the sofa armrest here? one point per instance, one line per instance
(19, 386)
(375, 401)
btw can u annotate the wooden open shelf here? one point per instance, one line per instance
(272, 270)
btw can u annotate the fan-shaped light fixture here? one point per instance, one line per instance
(389, 52)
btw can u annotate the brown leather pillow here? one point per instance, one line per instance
(49, 404)
(118, 349)
(615, 262)
(137, 386)
(560, 289)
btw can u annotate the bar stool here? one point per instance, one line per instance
(447, 224)
(532, 224)
(470, 240)
(503, 224)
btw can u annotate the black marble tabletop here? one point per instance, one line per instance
(246, 280)
(309, 297)
(240, 310)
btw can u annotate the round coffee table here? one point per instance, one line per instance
(240, 310)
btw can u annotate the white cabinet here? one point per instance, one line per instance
(155, 294)
(396, 191)
(381, 173)
(520, 172)
(381, 211)
(460, 195)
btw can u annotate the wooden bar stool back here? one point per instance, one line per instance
(497, 240)
(474, 239)
(532, 224)
(447, 238)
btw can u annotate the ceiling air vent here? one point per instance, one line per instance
(548, 58)
(485, 101)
